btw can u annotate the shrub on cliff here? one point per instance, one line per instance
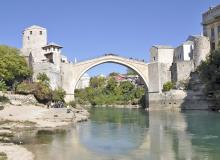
(42, 92)
(167, 86)
(25, 88)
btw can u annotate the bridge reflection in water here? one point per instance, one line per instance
(140, 135)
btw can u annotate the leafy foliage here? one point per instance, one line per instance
(209, 72)
(43, 78)
(97, 82)
(58, 95)
(25, 88)
(3, 86)
(167, 86)
(131, 72)
(13, 67)
(72, 104)
(109, 92)
(42, 92)
(4, 99)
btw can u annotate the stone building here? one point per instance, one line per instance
(161, 54)
(184, 51)
(161, 59)
(188, 56)
(166, 63)
(42, 56)
(211, 25)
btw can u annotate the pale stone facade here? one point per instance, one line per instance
(162, 54)
(184, 51)
(42, 56)
(211, 26)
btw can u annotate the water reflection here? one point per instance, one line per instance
(113, 131)
(135, 135)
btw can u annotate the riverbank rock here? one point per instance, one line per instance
(18, 99)
(6, 133)
(15, 152)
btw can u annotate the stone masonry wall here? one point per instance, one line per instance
(50, 70)
(181, 70)
(179, 100)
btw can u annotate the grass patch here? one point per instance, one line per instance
(3, 156)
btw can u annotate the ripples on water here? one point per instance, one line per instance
(129, 134)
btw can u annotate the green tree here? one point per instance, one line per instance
(43, 78)
(13, 67)
(111, 85)
(131, 72)
(97, 82)
(126, 87)
(3, 86)
(139, 92)
(58, 95)
(113, 74)
(209, 72)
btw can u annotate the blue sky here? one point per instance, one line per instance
(90, 28)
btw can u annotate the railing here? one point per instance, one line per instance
(111, 54)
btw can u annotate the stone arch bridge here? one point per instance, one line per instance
(71, 73)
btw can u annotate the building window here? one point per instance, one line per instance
(205, 32)
(212, 34)
(30, 32)
(212, 46)
(28, 38)
(218, 32)
(41, 33)
(154, 58)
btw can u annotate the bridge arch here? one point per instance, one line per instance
(77, 70)
(110, 61)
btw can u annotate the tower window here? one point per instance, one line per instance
(30, 32)
(41, 33)
(28, 38)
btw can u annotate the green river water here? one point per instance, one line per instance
(130, 134)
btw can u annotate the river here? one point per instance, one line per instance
(131, 134)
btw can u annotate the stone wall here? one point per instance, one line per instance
(181, 70)
(51, 70)
(153, 70)
(159, 73)
(179, 100)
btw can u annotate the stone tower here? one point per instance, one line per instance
(34, 38)
(201, 49)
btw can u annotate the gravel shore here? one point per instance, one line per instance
(12, 117)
